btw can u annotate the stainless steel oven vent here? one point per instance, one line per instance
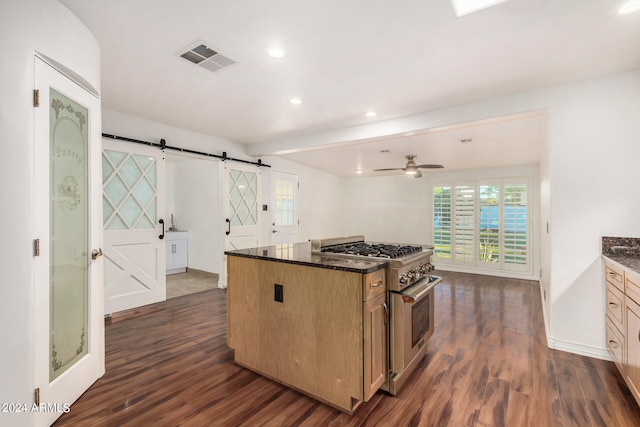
(206, 57)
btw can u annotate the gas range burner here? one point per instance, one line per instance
(376, 250)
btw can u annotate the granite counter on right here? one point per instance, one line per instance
(622, 280)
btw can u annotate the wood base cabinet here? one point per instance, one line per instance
(623, 322)
(317, 330)
(632, 376)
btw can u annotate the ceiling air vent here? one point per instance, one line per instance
(206, 57)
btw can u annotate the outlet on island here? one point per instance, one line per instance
(278, 293)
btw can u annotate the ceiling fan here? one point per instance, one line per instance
(411, 168)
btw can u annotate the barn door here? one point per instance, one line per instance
(133, 208)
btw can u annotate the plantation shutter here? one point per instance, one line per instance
(483, 224)
(464, 223)
(516, 230)
(442, 221)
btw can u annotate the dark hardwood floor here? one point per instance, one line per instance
(488, 365)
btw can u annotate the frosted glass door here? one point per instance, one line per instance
(68, 233)
(68, 318)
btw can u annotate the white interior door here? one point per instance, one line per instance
(242, 213)
(69, 310)
(133, 214)
(284, 208)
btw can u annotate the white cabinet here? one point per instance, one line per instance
(177, 243)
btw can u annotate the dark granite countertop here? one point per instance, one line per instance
(623, 250)
(300, 254)
(630, 262)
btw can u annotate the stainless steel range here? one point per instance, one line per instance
(410, 298)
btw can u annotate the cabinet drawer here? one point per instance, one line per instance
(615, 344)
(374, 284)
(614, 274)
(632, 286)
(615, 306)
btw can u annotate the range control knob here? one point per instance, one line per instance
(403, 279)
(412, 274)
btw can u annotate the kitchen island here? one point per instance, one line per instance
(314, 322)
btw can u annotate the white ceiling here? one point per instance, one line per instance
(347, 57)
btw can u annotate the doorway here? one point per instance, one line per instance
(193, 209)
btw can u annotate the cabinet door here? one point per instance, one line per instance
(633, 348)
(168, 245)
(180, 253)
(375, 344)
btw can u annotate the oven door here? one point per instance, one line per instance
(412, 323)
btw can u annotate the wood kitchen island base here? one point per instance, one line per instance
(313, 329)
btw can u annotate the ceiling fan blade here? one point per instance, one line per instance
(430, 166)
(389, 169)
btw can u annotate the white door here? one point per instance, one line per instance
(242, 213)
(133, 213)
(69, 310)
(284, 208)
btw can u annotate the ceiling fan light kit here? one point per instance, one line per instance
(411, 168)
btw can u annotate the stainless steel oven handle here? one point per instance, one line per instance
(418, 290)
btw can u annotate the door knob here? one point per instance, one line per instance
(96, 253)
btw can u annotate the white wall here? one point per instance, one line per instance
(594, 149)
(27, 26)
(170, 196)
(387, 208)
(197, 210)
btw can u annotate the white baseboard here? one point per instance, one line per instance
(581, 349)
(222, 284)
(485, 271)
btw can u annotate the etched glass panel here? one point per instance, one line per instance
(130, 191)
(130, 172)
(243, 197)
(69, 243)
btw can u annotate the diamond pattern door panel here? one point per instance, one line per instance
(243, 197)
(129, 191)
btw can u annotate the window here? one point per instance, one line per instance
(483, 224)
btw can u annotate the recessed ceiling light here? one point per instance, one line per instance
(295, 101)
(358, 171)
(630, 7)
(277, 52)
(466, 7)
(370, 114)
